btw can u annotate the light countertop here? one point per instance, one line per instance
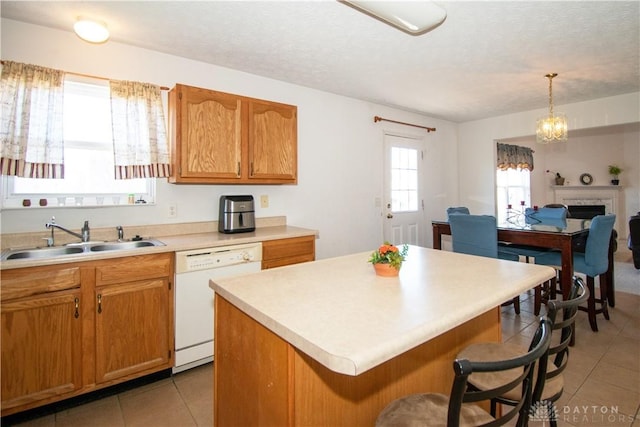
(174, 243)
(344, 316)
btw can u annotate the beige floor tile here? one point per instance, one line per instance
(608, 395)
(44, 421)
(196, 389)
(617, 375)
(624, 352)
(159, 406)
(584, 412)
(101, 413)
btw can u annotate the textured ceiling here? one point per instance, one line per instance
(488, 58)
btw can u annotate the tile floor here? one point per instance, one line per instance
(602, 381)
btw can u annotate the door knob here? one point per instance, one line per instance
(389, 215)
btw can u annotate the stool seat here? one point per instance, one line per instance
(420, 410)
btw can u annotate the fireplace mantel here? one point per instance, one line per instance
(587, 187)
(607, 195)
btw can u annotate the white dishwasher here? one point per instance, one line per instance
(194, 297)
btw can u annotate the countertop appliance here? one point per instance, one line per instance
(237, 214)
(194, 297)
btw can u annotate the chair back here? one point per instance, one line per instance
(562, 315)
(523, 368)
(474, 235)
(596, 252)
(457, 210)
(547, 213)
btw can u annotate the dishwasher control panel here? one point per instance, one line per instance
(223, 256)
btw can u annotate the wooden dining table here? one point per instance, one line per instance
(558, 235)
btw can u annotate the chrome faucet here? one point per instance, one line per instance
(84, 234)
(120, 233)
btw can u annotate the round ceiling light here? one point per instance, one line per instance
(91, 31)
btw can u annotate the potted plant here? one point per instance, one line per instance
(387, 260)
(614, 171)
(559, 178)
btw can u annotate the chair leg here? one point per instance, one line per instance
(516, 304)
(604, 293)
(591, 304)
(537, 299)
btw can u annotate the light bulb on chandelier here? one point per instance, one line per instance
(552, 128)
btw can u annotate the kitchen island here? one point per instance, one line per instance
(330, 343)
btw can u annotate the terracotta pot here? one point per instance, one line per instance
(386, 270)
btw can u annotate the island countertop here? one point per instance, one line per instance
(341, 314)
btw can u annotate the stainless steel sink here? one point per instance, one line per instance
(41, 253)
(119, 246)
(77, 249)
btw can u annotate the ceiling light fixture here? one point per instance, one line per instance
(413, 17)
(91, 31)
(551, 128)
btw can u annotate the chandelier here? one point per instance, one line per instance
(551, 128)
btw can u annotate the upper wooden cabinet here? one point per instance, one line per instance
(221, 138)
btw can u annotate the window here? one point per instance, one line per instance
(404, 179)
(88, 157)
(513, 188)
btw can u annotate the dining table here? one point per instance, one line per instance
(557, 234)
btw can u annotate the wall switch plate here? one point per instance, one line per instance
(173, 211)
(264, 201)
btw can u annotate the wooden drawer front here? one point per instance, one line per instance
(25, 282)
(276, 253)
(122, 270)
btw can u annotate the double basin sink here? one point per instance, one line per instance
(77, 249)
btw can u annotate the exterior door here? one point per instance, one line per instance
(403, 205)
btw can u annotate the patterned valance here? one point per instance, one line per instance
(514, 157)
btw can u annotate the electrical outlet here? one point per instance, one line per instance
(173, 211)
(264, 201)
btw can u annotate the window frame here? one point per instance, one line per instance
(11, 199)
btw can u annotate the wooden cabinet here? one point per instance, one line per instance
(221, 138)
(134, 304)
(41, 335)
(276, 253)
(74, 328)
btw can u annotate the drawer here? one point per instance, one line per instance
(24, 282)
(134, 268)
(276, 253)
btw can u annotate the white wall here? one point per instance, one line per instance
(601, 132)
(339, 147)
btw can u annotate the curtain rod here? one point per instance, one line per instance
(91, 76)
(377, 119)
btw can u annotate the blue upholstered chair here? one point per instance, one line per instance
(594, 262)
(478, 235)
(457, 210)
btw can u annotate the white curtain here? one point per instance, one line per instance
(31, 121)
(140, 145)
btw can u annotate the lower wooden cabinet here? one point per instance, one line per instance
(276, 253)
(74, 328)
(41, 348)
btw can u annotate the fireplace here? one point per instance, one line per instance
(586, 211)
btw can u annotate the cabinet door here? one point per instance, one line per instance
(41, 347)
(276, 253)
(133, 328)
(208, 136)
(273, 141)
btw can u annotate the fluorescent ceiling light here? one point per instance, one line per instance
(413, 17)
(91, 31)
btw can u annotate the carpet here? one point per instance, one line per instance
(627, 278)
